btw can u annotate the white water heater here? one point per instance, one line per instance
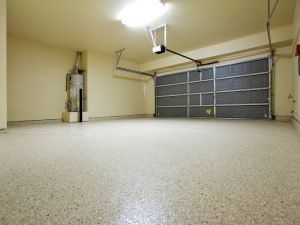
(75, 88)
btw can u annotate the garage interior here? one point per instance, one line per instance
(180, 112)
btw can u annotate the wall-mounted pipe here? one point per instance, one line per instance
(80, 104)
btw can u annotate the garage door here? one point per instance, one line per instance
(239, 90)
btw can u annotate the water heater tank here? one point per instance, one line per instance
(74, 84)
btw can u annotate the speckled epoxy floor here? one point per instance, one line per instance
(151, 171)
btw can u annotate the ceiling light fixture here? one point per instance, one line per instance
(141, 12)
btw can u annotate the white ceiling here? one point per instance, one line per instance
(93, 25)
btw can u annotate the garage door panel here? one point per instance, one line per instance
(172, 112)
(223, 71)
(245, 97)
(172, 101)
(202, 112)
(258, 66)
(171, 79)
(239, 69)
(208, 99)
(258, 81)
(252, 112)
(223, 85)
(194, 99)
(223, 98)
(194, 75)
(172, 90)
(250, 97)
(207, 74)
(207, 86)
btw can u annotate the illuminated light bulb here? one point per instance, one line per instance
(141, 12)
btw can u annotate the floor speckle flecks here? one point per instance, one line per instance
(151, 171)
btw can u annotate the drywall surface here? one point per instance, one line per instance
(36, 80)
(111, 92)
(283, 82)
(149, 97)
(36, 83)
(3, 84)
(296, 78)
(84, 67)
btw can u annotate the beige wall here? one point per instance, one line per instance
(149, 97)
(296, 77)
(36, 83)
(83, 66)
(36, 80)
(283, 82)
(110, 92)
(3, 93)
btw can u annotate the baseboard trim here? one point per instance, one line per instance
(31, 122)
(283, 118)
(296, 124)
(2, 131)
(149, 115)
(93, 119)
(47, 121)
